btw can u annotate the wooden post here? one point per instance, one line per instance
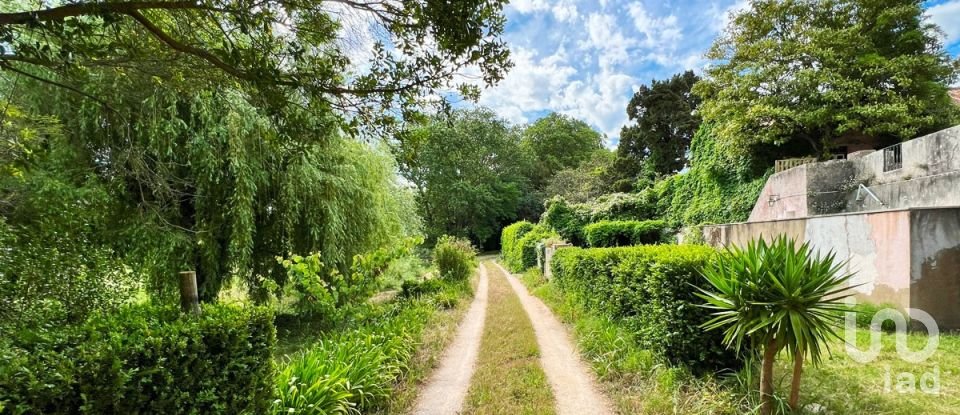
(189, 299)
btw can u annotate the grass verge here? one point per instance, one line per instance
(508, 378)
(638, 382)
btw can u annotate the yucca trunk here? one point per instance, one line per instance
(766, 378)
(795, 384)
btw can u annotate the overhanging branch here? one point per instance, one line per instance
(82, 9)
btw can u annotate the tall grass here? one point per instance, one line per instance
(354, 371)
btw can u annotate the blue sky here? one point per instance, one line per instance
(585, 58)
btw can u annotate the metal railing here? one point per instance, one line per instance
(782, 165)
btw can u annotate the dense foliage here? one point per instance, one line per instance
(142, 359)
(569, 219)
(279, 50)
(649, 290)
(314, 290)
(720, 187)
(510, 249)
(665, 118)
(592, 178)
(471, 154)
(454, 258)
(611, 233)
(817, 71)
(558, 142)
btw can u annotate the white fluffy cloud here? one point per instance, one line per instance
(657, 31)
(947, 16)
(531, 86)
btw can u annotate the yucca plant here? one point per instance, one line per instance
(767, 297)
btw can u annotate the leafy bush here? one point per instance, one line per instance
(624, 233)
(649, 289)
(509, 243)
(454, 258)
(315, 290)
(417, 288)
(566, 219)
(143, 359)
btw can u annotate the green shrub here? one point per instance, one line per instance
(866, 311)
(624, 233)
(454, 258)
(510, 243)
(417, 287)
(314, 289)
(650, 290)
(143, 359)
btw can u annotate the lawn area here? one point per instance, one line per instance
(639, 383)
(508, 378)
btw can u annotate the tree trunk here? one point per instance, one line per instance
(795, 385)
(766, 378)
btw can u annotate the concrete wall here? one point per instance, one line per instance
(784, 196)
(876, 246)
(935, 264)
(909, 258)
(929, 178)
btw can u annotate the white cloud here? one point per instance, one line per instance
(611, 44)
(530, 86)
(947, 16)
(599, 100)
(721, 17)
(658, 31)
(529, 6)
(565, 11)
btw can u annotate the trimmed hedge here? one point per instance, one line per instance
(650, 290)
(510, 243)
(143, 359)
(519, 244)
(624, 233)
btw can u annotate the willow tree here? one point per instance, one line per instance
(813, 71)
(208, 181)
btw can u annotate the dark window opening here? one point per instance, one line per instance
(892, 158)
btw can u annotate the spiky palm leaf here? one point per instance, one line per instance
(777, 291)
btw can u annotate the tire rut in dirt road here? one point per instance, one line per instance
(444, 393)
(573, 383)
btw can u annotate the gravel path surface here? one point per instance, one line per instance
(445, 391)
(573, 383)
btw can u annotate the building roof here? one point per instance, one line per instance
(955, 94)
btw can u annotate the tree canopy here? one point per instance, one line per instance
(285, 49)
(558, 142)
(816, 70)
(665, 118)
(469, 173)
